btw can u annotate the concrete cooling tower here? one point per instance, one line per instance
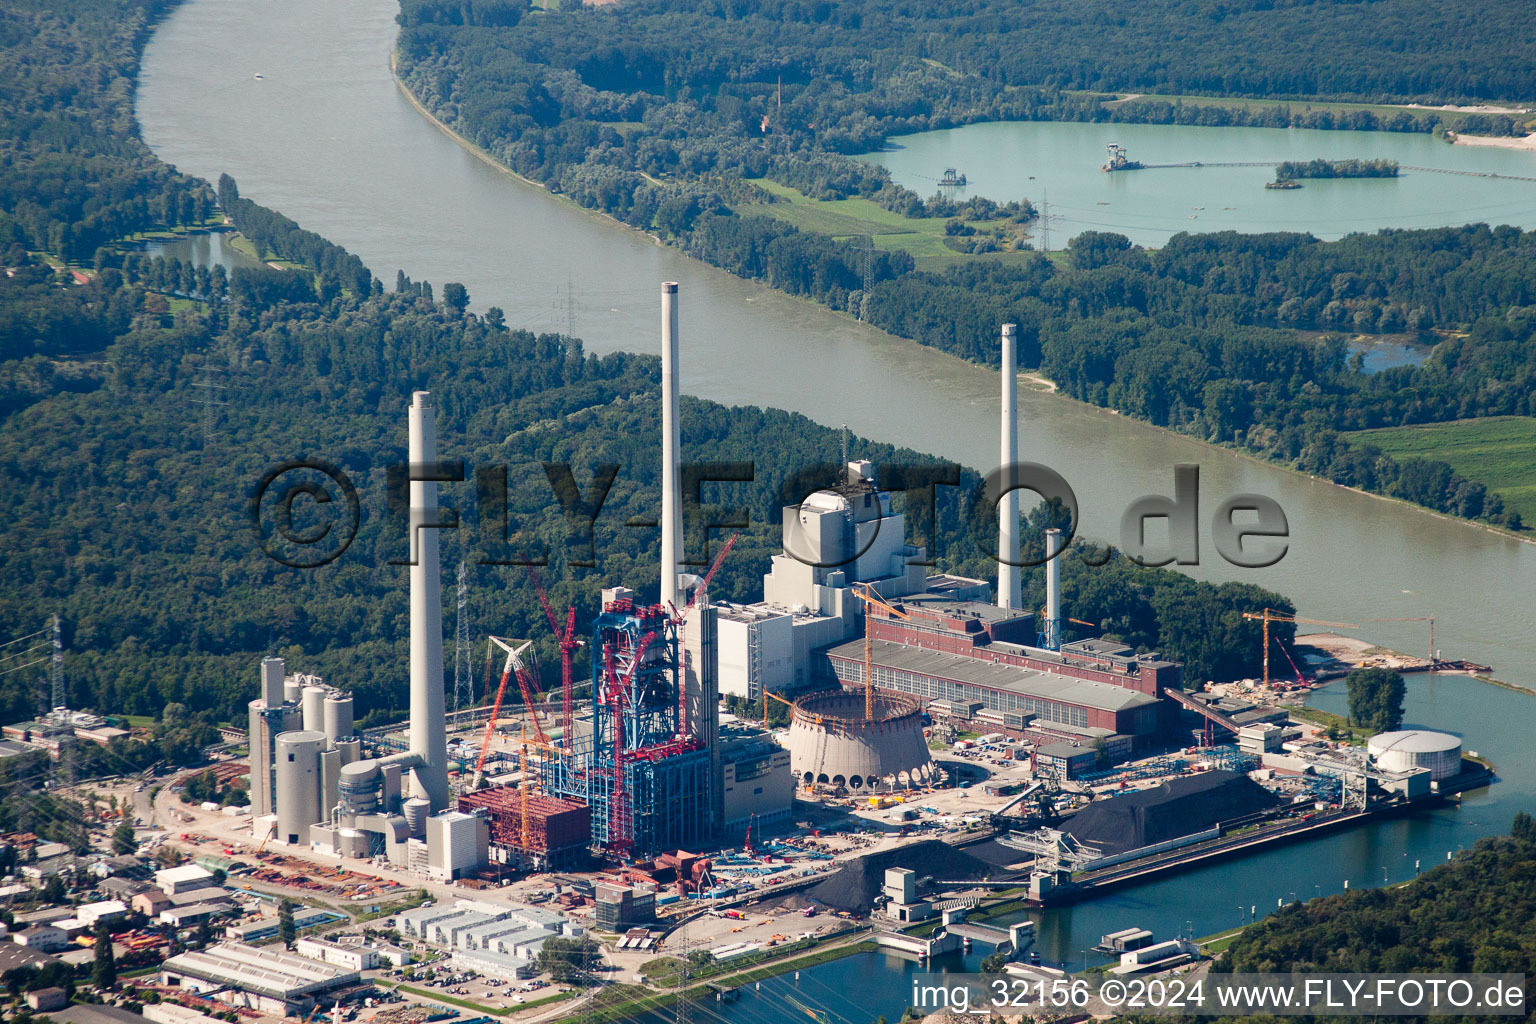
(832, 743)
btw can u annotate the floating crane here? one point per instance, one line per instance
(1269, 615)
(1433, 660)
(869, 597)
(514, 665)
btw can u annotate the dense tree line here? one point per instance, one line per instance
(1289, 170)
(74, 174)
(1470, 915)
(663, 115)
(136, 529)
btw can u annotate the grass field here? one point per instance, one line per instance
(1498, 452)
(923, 237)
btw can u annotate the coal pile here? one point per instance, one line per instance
(1173, 810)
(854, 886)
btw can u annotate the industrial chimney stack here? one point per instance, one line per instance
(671, 487)
(1053, 589)
(428, 733)
(1009, 574)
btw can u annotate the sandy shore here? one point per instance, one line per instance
(1528, 143)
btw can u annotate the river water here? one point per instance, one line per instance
(325, 137)
(1057, 166)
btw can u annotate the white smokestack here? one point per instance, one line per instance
(1052, 589)
(671, 494)
(1009, 575)
(428, 736)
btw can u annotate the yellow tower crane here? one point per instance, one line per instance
(1269, 615)
(1433, 660)
(867, 594)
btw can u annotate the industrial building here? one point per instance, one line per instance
(255, 977)
(756, 780)
(490, 938)
(834, 539)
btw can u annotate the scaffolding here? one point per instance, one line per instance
(646, 780)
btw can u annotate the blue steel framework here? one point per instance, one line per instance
(641, 771)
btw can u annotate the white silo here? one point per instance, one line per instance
(312, 701)
(298, 784)
(338, 716)
(358, 789)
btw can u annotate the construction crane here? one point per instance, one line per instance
(1433, 660)
(869, 597)
(514, 665)
(787, 703)
(566, 638)
(681, 618)
(263, 844)
(1269, 615)
(523, 787)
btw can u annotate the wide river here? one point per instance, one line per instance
(324, 136)
(1057, 166)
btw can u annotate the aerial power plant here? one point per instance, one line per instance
(644, 767)
(871, 655)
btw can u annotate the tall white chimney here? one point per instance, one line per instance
(1009, 574)
(671, 486)
(428, 734)
(1053, 589)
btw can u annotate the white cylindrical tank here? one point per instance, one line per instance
(313, 707)
(352, 842)
(338, 717)
(351, 750)
(415, 811)
(291, 690)
(358, 787)
(298, 784)
(1407, 749)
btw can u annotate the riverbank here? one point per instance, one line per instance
(1525, 144)
(462, 142)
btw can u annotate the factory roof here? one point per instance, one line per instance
(185, 873)
(477, 935)
(262, 970)
(993, 676)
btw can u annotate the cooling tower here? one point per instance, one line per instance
(831, 743)
(428, 733)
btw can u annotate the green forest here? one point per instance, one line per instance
(127, 491)
(665, 116)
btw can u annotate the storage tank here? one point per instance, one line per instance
(313, 703)
(415, 811)
(298, 784)
(358, 787)
(351, 750)
(1407, 749)
(338, 717)
(291, 689)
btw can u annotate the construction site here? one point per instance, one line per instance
(919, 707)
